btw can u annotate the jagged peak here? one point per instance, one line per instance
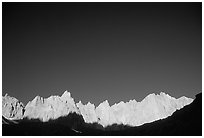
(185, 98)
(80, 102)
(104, 104)
(90, 113)
(66, 94)
(151, 94)
(38, 99)
(12, 108)
(163, 93)
(121, 103)
(133, 101)
(6, 95)
(89, 103)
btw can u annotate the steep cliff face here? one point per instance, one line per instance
(12, 108)
(103, 113)
(132, 113)
(50, 108)
(88, 112)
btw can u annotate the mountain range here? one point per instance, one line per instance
(184, 122)
(151, 108)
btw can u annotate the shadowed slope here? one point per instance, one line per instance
(184, 122)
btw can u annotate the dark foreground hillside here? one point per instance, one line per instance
(185, 122)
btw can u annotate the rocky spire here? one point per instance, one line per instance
(12, 108)
(66, 94)
(52, 107)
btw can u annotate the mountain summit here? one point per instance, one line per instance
(52, 107)
(132, 113)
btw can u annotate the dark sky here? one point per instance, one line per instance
(99, 51)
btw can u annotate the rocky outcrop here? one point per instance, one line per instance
(132, 113)
(12, 108)
(50, 108)
(88, 112)
(103, 113)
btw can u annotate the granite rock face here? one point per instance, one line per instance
(133, 113)
(52, 107)
(153, 107)
(12, 108)
(88, 112)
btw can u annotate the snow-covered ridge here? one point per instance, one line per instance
(133, 113)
